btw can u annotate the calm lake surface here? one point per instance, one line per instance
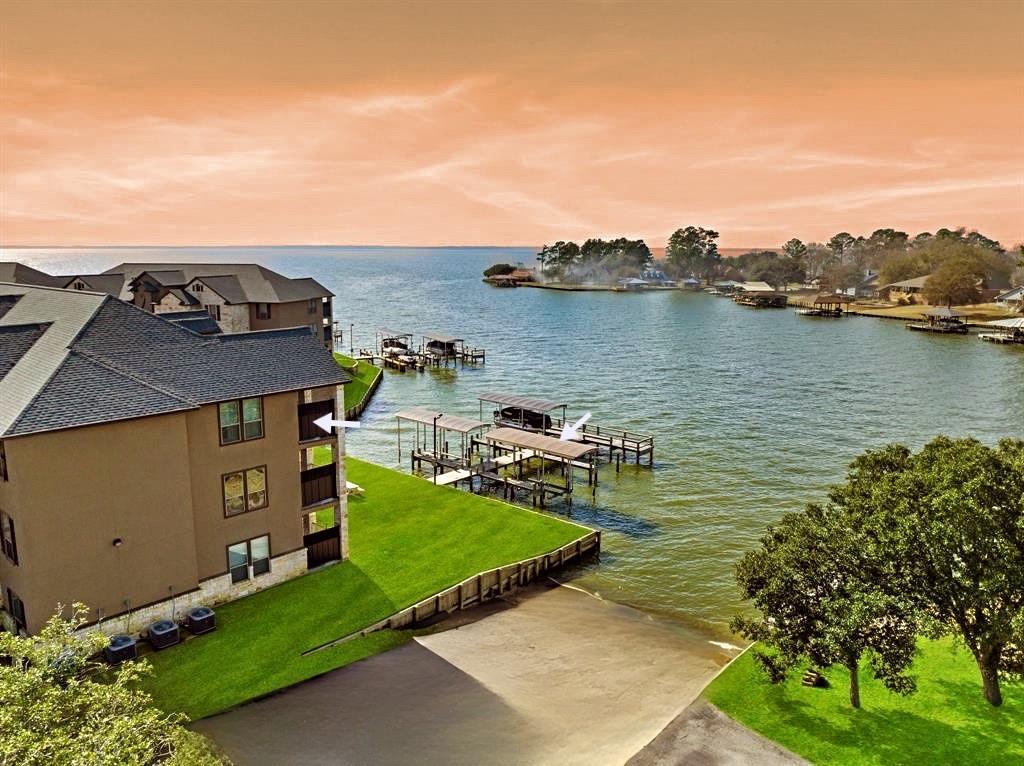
(754, 413)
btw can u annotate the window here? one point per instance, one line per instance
(197, 287)
(263, 311)
(241, 420)
(245, 490)
(16, 607)
(311, 305)
(252, 419)
(8, 540)
(80, 286)
(213, 310)
(248, 559)
(3, 463)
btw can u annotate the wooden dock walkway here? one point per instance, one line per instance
(460, 474)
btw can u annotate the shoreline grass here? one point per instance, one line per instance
(363, 375)
(408, 540)
(946, 721)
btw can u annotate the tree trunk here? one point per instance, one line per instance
(854, 685)
(988, 664)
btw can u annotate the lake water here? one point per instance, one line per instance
(754, 412)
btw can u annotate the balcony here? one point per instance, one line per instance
(309, 431)
(319, 486)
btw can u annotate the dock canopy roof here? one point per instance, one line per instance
(1012, 323)
(441, 338)
(447, 422)
(547, 445)
(833, 299)
(522, 402)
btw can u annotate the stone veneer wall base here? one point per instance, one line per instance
(217, 590)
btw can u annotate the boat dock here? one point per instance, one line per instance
(532, 414)
(395, 350)
(508, 461)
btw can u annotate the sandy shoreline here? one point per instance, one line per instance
(560, 676)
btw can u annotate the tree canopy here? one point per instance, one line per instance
(931, 542)
(813, 581)
(499, 269)
(693, 251)
(60, 708)
(949, 524)
(597, 259)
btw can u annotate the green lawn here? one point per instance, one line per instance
(363, 376)
(408, 540)
(946, 722)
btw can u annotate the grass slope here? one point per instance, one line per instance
(946, 722)
(408, 540)
(363, 374)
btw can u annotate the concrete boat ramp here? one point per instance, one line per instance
(561, 677)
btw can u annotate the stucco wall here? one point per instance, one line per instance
(278, 450)
(73, 492)
(155, 484)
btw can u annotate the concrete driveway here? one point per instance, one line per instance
(560, 678)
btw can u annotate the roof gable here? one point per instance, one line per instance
(257, 284)
(102, 359)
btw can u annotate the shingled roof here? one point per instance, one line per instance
(79, 358)
(19, 273)
(235, 282)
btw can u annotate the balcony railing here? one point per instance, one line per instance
(309, 430)
(319, 485)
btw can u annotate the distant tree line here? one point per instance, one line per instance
(959, 262)
(596, 260)
(911, 545)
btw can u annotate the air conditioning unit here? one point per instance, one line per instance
(121, 648)
(163, 634)
(200, 620)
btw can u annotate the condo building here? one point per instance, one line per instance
(146, 468)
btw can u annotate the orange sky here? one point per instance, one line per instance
(506, 123)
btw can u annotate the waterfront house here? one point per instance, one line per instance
(146, 469)
(754, 287)
(906, 291)
(632, 284)
(1011, 299)
(239, 296)
(658, 277)
(867, 287)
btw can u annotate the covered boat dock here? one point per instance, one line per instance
(437, 348)
(829, 305)
(513, 447)
(432, 444)
(533, 414)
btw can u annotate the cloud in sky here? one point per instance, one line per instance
(401, 140)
